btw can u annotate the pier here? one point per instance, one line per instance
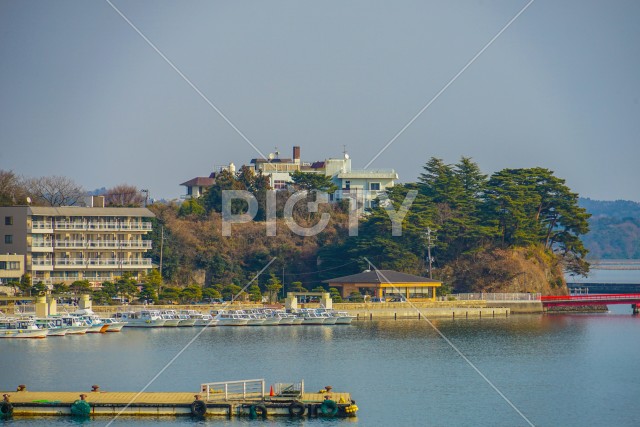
(226, 399)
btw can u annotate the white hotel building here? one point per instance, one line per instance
(65, 244)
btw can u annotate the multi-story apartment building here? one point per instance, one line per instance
(65, 244)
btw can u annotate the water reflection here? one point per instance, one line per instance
(396, 370)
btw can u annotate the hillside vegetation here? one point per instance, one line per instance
(614, 229)
(516, 230)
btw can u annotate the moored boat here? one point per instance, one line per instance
(230, 318)
(170, 320)
(341, 317)
(72, 324)
(20, 328)
(54, 327)
(114, 324)
(310, 317)
(185, 321)
(200, 319)
(140, 319)
(92, 320)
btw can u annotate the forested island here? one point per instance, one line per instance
(516, 230)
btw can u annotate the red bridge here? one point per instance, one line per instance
(593, 299)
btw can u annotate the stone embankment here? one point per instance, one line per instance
(415, 310)
(578, 309)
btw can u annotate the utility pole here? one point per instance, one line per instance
(429, 251)
(161, 247)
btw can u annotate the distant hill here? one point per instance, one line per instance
(615, 229)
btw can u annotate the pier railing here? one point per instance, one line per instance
(485, 296)
(289, 389)
(230, 390)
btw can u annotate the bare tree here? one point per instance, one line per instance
(12, 189)
(123, 195)
(55, 191)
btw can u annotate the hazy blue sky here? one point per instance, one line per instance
(83, 95)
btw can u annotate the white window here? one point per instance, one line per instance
(374, 186)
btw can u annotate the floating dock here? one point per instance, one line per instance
(227, 399)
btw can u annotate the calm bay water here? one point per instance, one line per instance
(559, 370)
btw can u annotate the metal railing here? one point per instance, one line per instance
(102, 262)
(41, 244)
(103, 244)
(107, 226)
(70, 244)
(485, 296)
(230, 390)
(41, 225)
(289, 389)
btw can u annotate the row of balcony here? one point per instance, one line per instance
(93, 244)
(90, 262)
(52, 280)
(90, 226)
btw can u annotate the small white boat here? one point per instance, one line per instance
(170, 321)
(286, 319)
(341, 317)
(73, 325)
(206, 320)
(253, 319)
(230, 318)
(20, 328)
(266, 317)
(344, 318)
(200, 319)
(54, 327)
(310, 317)
(92, 320)
(328, 319)
(114, 324)
(140, 319)
(185, 321)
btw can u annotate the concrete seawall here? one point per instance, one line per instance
(397, 310)
(518, 307)
(430, 313)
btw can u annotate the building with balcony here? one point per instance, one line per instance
(363, 185)
(65, 244)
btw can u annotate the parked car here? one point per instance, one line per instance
(375, 299)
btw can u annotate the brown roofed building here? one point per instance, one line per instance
(197, 186)
(387, 284)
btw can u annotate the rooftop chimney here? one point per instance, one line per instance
(296, 154)
(98, 202)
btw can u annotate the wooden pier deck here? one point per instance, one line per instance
(111, 403)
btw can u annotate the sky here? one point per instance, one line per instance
(83, 95)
